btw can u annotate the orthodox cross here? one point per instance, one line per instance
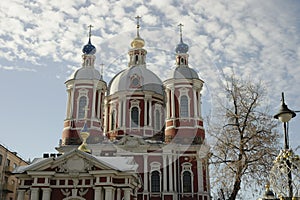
(180, 30)
(90, 31)
(138, 25)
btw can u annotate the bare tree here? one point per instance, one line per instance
(245, 138)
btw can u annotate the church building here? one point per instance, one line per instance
(134, 138)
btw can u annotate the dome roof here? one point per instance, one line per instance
(86, 73)
(185, 73)
(182, 47)
(145, 79)
(89, 48)
(138, 42)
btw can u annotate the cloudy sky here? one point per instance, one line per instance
(41, 43)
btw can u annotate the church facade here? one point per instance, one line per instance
(144, 138)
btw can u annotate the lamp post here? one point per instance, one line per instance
(287, 163)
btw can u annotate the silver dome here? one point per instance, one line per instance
(86, 73)
(148, 81)
(185, 73)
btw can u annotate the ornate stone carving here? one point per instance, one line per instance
(131, 141)
(75, 165)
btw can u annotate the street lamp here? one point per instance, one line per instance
(285, 175)
(285, 115)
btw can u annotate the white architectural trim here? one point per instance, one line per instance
(187, 167)
(155, 166)
(184, 92)
(135, 103)
(82, 93)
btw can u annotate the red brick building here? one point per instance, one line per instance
(154, 128)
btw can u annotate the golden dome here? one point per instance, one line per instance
(138, 42)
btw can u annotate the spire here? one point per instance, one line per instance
(89, 48)
(138, 42)
(138, 25)
(180, 30)
(181, 47)
(90, 33)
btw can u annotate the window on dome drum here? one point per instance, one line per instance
(134, 117)
(155, 181)
(113, 120)
(184, 109)
(157, 120)
(187, 181)
(136, 59)
(1, 158)
(81, 107)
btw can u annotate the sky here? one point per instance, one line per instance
(41, 45)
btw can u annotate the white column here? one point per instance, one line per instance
(145, 172)
(97, 193)
(34, 193)
(164, 173)
(105, 117)
(175, 172)
(200, 175)
(145, 112)
(72, 115)
(68, 113)
(118, 194)
(127, 193)
(172, 102)
(21, 194)
(108, 193)
(46, 193)
(119, 113)
(99, 115)
(93, 103)
(124, 111)
(170, 173)
(199, 104)
(150, 112)
(168, 103)
(195, 104)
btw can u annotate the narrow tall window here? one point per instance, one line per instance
(184, 109)
(187, 181)
(113, 120)
(134, 117)
(1, 158)
(155, 181)
(81, 107)
(157, 120)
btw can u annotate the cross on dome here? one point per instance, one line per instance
(90, 31)
(180, 30)
(138, 42)
(181, 47)
(138, 25)
(89, 48)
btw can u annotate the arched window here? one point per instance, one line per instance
(184, 109)
(113, 120)
(157, 120)
(155, 181)
(82, 106)
(187, 181)
(134, 117)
